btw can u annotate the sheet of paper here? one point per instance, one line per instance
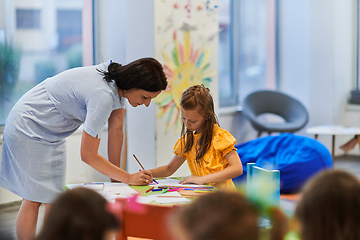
(144, 199)
(176, 199)
(175, 182)
(110, 191)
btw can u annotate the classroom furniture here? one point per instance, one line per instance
(263, 184)
(298, 158)
(262, 102)
(333, 130)
(151, 222)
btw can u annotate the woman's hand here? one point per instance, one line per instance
(192, 179)
(143, 177)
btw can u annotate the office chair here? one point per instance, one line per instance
(266, 101)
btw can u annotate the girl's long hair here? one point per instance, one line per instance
(198, 98)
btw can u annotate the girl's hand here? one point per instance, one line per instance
(141, 178)
(192, 179)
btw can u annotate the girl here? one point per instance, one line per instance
(33, 163)
(208, 149)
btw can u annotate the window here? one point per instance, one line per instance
(45, 40)
(27, 19)
(247, 56)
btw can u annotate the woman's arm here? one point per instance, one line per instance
(233, 170)
(89, 154)
(169, 169)
(115, 136)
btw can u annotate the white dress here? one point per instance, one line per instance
(33, 162)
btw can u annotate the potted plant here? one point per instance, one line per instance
(10, 57)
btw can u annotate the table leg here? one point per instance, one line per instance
(333, 147)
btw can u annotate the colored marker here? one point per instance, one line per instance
(149, 189)
(173, 190)
(156, 189)
(202, 191)
(165, 191)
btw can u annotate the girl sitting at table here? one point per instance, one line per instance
(208, 149)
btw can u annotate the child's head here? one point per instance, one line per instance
(330, 207)
(217, 215)
(197, 110)
(198, 98)
(79, 214)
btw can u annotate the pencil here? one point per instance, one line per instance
(139, 162)
(142, 166)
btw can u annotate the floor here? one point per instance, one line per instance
(8, 212)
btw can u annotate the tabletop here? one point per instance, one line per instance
(166, 192)
(333, 130)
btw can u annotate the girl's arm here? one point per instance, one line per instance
(89, 154)
(233, 170)
(169, 169)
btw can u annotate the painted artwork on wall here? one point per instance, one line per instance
(186, 67)
(187, 58)
(186, 43)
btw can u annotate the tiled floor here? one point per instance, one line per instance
(8, 212)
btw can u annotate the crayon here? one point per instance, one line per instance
(149, 189)
(156, 189)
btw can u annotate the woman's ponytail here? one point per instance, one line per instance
(109, 74)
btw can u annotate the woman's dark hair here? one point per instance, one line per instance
(330, 207)
(144, 73)
(198, 98)
(78, 214)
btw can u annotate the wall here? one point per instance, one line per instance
(317, 65)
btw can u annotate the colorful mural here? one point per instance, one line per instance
(186, 67)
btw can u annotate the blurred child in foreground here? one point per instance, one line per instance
(79, 214)
(223, 216)
(330, 207)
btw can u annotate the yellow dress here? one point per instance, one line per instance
(214, 159)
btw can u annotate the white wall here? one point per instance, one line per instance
(317, 65)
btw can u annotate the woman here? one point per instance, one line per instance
(34, 153)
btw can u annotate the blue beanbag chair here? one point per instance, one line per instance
(296, 157)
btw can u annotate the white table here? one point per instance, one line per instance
(333, 130)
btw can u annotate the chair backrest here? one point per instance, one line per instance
(263, 185)
(152, 222)
(281, 104)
